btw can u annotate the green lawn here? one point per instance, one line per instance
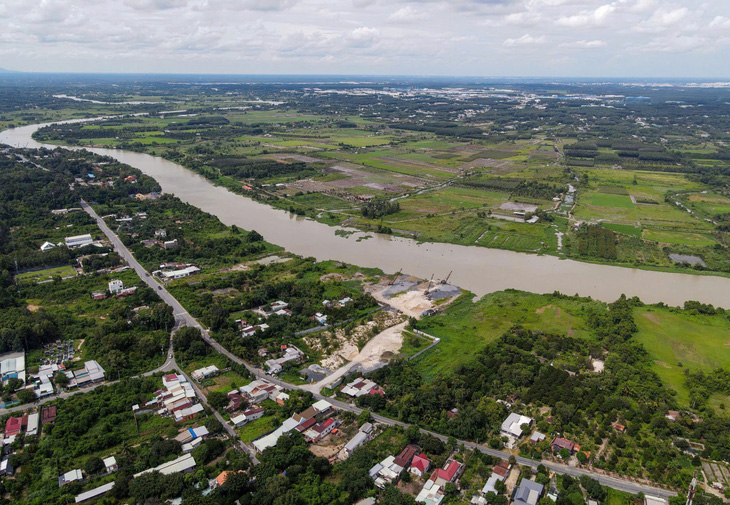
(697, 342)
(465, 327)
(626, 229)
(603, 200)
(673, 237)
(46, 274)
(254, 429)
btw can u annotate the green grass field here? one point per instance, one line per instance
(46, 274)
(626, 229)
(614, 201)
(697, 342)
(466, 327)
(675, 237)
(254, 429)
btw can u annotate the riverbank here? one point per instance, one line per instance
(477, 269)
(475, 225)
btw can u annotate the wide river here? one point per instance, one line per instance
(477, 269)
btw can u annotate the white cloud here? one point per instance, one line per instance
(367, 36)
(525, 40)
(407, 14)
(720, 22)
(363, 36)
(588, 18)
(584, 44)
(663, 19)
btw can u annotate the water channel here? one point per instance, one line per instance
(478, 269)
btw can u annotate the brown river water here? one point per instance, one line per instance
(477, 269)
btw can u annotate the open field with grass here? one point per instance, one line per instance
(465, 326)
(47, 274)
(679, 341)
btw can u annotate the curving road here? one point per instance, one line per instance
(183, 318)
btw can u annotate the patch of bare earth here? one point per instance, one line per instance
(33, 308)
(241, 267)
(412, 303)
(651, 317)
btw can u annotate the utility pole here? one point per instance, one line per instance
(692, 489)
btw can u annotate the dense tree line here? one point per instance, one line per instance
(379, 207)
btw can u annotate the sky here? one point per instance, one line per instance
(490, 38)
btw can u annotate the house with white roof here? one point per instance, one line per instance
(78, 241)
(32, 428)
(270, 440)
(70, 476)
(512, 426)
(183, 464)
(12, 365)
(110, 464)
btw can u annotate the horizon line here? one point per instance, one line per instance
(8, 72)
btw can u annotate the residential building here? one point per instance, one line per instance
(305, 415)
(183, 464)
(254, 413)
(48, 414)
(406, 456)
(235, 400)
(501, 470)
(179, 274)
(420, 465)
(5, 467)
(192, 434)
(270, 440)
(528, 493)
(94, 493)
(160, 233)
(385, 472)
(250, 330)
(32, 428)
(71, 476)
(78, 241)
(170, 244)
(512, 426)
(561, 443)
(12, 365)
(205, 372)
(14, 425)
(92, 372)
(98, 295)
(222, 478)
(537, 437)
(360, 387)
(319, 431)
(110, 464)
(432, 492)
(115, 285)
(291, 353)
(188, 413)
(47, 246)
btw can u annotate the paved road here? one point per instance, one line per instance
(183, 318)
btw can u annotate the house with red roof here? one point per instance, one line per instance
(13, 426)
(420, 465)
(319, 431)
(561, 443)
(433, 490)
(449, 473)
